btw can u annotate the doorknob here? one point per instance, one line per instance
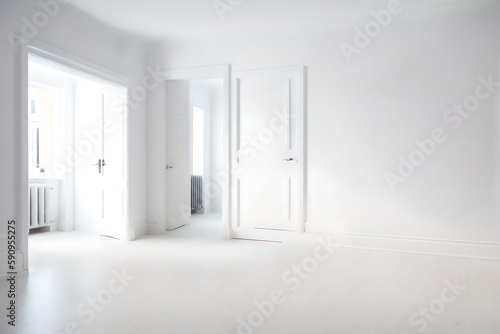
(289, 159)
(169, 167)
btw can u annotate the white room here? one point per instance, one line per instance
(237, 166)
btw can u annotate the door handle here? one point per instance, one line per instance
(170, 167)
(99, 164)
(289, 159)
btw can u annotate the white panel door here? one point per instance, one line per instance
(99, 165)
(267, 151)
(178, 154)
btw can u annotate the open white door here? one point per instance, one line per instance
(178, 167)
(112, 170)
(268, 153)
(88, 191)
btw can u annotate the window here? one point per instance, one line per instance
(42, 116)
(198, 140)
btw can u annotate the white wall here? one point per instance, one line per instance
(94, 42)
(362, 116)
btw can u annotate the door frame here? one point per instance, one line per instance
(300, 73)
(215, 72)
(65, 59)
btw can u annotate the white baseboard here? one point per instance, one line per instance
(85, 224)
(428, 246)
(139, 230)
(66, 225)
(216, 207)
(153, 227)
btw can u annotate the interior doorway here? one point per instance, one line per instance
(206, 145)
(76, 150)
(204, 92)
(194, 149)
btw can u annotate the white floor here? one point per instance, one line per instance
(191, 281)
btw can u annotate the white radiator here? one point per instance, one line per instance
(40, 198)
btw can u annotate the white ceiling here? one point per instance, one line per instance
(193, 21)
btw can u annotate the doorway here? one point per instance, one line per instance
(194, 149)
(76, 150)
(206, 145)
(206, 89)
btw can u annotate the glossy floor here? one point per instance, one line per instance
(191, 281)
